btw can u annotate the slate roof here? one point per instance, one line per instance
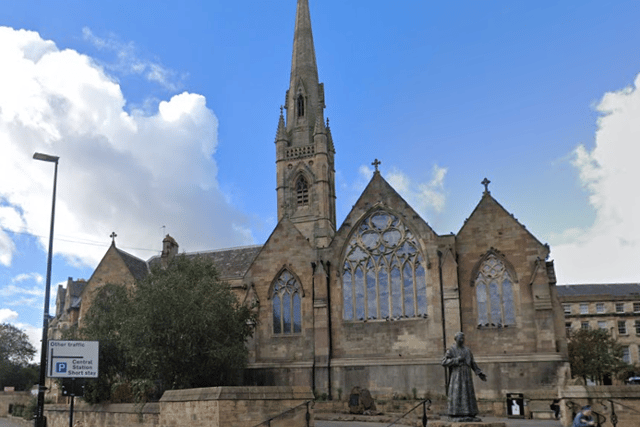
(75, 288)
(138, 268)
(231, 263)
(611, 290)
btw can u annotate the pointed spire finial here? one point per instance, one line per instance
(486, 183)
(281, 133)
(376, 163)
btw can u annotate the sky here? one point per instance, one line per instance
(164, 114)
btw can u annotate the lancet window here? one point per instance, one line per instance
(494, 294)
(383, 272)
(302, 191)
(300, 105)
(287, 310)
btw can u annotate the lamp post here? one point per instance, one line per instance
(40, 420)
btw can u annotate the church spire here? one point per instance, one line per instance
(305, 98)
(303, 62)
(304, 147)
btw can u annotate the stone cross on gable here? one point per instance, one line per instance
(113, 237)
(376, 163)
(486, 183)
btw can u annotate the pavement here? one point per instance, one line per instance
(509, 422)
(14, 422)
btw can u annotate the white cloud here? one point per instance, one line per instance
(36, 277)
(424, 197)
(609, 250)
(126, 172)
(7, 247)
(128, 62)
(10, 290)
(6, 315)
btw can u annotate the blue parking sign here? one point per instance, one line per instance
(61, 367)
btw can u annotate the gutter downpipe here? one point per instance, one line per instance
(444, 329)
(329, 327)
(313, 320)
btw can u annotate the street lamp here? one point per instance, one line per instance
(40, 420)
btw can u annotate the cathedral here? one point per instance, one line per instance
(375, 301)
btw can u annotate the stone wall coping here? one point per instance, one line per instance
(601, 392)
(115, 408)
(238, 393)
(280, 364)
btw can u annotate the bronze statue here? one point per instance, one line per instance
(462, 405)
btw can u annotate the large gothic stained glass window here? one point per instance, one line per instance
(287, 315)
(383, 272)
(494, 293)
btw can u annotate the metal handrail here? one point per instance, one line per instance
(614, 416)
(308, 415)
(424, 413)
(621, 404)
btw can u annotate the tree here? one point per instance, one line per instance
(16, 353)
(104, 323)
(180, 327)
(595, 355)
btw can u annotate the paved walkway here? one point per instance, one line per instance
(509, 422)
(12, 422)
(5, 422)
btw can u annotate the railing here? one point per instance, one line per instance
(599, 418)
(281, 414)
(614, 416)
(424, 413)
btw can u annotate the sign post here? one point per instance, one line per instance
(73, 359)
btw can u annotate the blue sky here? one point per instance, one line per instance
(164, 116)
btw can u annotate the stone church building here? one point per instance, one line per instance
(375, 301)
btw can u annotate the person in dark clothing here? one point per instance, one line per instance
(555, 407)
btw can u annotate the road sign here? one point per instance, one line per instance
(73, 359)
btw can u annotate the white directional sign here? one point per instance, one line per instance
(73, 359)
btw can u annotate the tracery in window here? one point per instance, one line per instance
(287, 311)
(494, 294)
(383, 272)
(302, 191)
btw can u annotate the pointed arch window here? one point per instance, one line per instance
(494, 294)
(383, 272)
(302, 191)
(300, 105)
(287, 305)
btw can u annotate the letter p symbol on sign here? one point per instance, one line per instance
(61, 367)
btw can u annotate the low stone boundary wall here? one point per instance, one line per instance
(203, 407)
(11, 399)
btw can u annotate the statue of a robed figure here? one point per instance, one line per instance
(462, 405)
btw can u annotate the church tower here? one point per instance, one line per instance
(304, 147)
